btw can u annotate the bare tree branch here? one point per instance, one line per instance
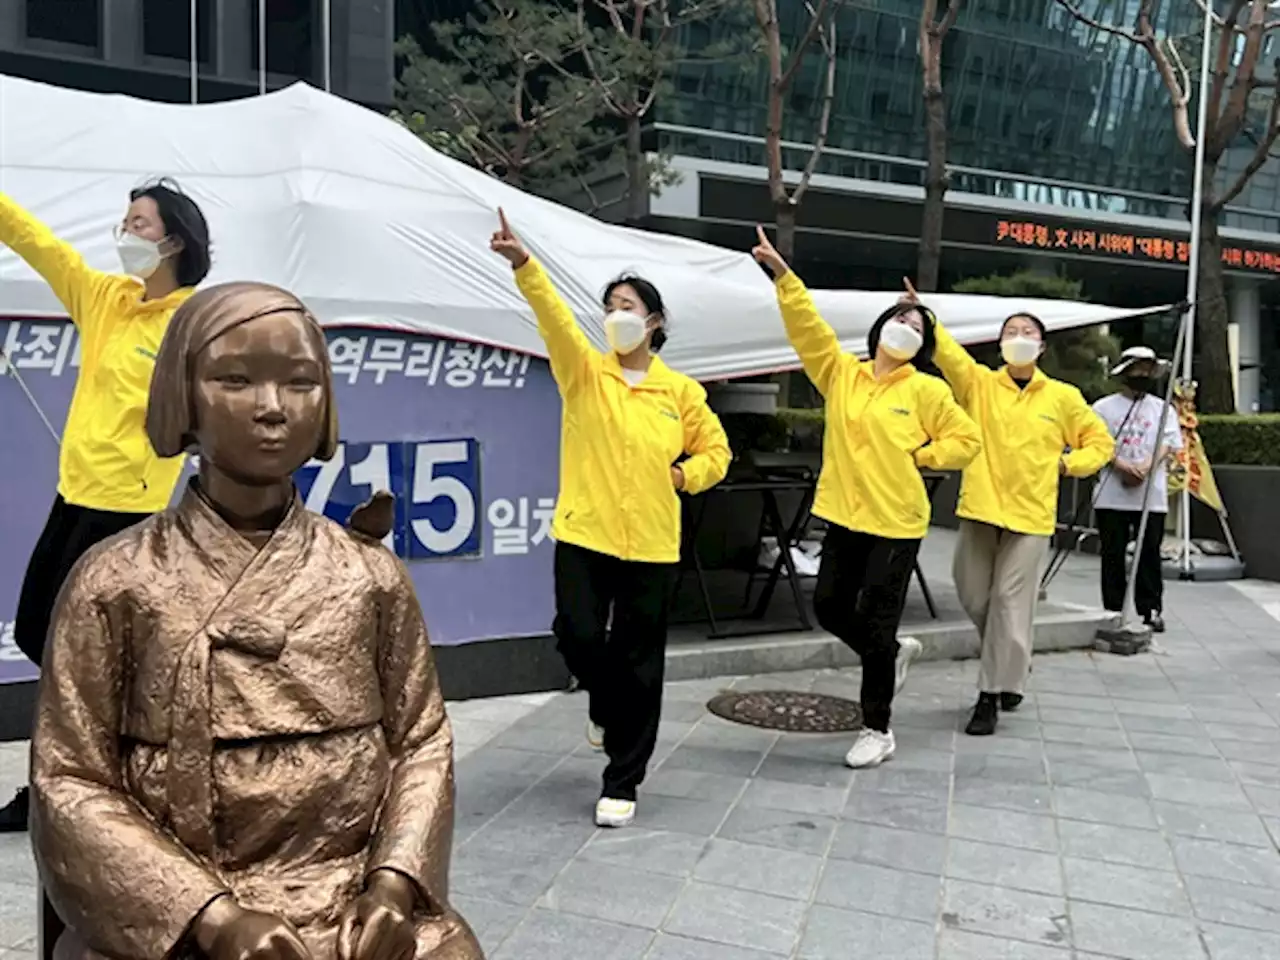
(828, 39)
(1089, 21)
(1261, 154)
(817, 19)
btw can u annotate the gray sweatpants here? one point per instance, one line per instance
(997, 575)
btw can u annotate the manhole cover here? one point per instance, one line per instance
(785, 710)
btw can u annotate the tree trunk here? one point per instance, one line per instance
(935, 188)
(637, 175)
(1215, 393)
(785, 216)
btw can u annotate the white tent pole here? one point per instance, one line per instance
(326, 30)
(195, 54)
(262, 47)
(1193, 259)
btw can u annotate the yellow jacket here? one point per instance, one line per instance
(106, 462)
(1013, 484)
(619, 442)
(879, 433)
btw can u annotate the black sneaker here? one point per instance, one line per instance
(983, 721)
(1155, 622)
(1010, 702)
(15, 813)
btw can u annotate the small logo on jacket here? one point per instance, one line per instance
(145, 352)
(900, 411)
(1048, 419)
(670, 414)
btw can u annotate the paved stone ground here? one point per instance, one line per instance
(1130, 809)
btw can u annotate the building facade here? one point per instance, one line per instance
(143, 47)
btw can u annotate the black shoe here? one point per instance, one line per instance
(14, 814)
(1010, 702)
(983, 721)
(1155, 622)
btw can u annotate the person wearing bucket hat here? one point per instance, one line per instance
(886, 421)
(1132, 416)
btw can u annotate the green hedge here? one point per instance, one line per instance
(1243, 439)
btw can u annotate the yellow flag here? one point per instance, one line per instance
(1191, 469)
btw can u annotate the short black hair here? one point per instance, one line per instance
(651, 299)
(923, 360)
(1044, 334)
(182, 218)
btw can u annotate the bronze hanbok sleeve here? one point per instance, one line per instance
(415, 830)
(109, 870)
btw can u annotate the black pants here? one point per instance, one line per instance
(620, 665)
(861, 589)
(68, 533)
(1115, 529)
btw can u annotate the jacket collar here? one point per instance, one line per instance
(659, 376)
(164, 304)
(867, 368)
(1038, 379)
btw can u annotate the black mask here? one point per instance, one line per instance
(1141, 384)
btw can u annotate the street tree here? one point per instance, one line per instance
(933, 31)
(1243, 109)
(783, 60)
(500, 96)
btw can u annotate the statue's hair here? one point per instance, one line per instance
(206, 316)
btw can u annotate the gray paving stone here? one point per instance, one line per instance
(1258, 866)
(1023, 797)
(1264, 799)
(1186, 765)
(649, 851)
(680, 814)
(1000, 768)
(547, 935)
(1099, 841)
(1168, 735)
(804, 771)
(1203, 792)
(889, 778)
(958, 945)
(737, 917)
(669, 947)
(1232, 943)
(803, 833)
(1128, 783)
(1228, 826)
(795, 797)
(833, 934)
(1090, 756)
(746, 866)
(1125, 886)
(890, 847)
(1004, 913)
(725, 760)
(670, 781)
(1004, 867)
(1086, 736)
(1260, 774)
(491, 921)
(880, 890)
(1025, 830)
(1134, 935)
(1235, 904)
(927, 814)
(617, 894)
(503, 876)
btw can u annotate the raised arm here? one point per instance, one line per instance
(415, 828)
(571, 354)
(956, 363)
(704, 440)
(1091, 443)
(810, 335)
(954, 439)
(112, 874)
(73, 282)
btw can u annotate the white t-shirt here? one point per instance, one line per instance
(1136, 443)
(634, 377)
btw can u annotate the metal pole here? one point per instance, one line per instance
(195, 54)
(326, 31)
(262, 47)
(1193, 265)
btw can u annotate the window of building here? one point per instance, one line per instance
(166, 29)
(292, 33)
(77, 22)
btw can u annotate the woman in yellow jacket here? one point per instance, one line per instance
(627, 420)
(1009, 497)
(109, 478)
(885, 421)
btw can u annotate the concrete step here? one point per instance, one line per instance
(1061, 627)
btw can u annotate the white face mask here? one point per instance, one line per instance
(139, 256)
(624, 330)
(900, 340)
(1019, 351)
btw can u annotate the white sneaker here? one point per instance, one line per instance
(614, 813)
(871, 749)
(595, 736)
(908, 649)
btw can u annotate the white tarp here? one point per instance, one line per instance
(371, 227)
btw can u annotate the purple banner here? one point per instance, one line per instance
(466, 436)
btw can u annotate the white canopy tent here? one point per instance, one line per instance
(371, 227)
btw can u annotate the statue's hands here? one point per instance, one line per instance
(226, 931)
(378, 925)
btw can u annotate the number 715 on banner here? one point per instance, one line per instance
(436, 484)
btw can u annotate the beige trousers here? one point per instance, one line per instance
(997, 576)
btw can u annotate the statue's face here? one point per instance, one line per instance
(259, 396)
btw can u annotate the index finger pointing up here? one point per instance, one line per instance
(502, 221)
(760, 234)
